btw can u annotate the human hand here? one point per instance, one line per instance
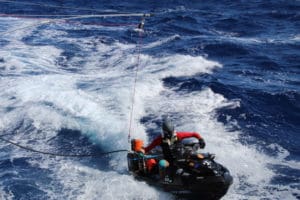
(202, 143)
(142, 150)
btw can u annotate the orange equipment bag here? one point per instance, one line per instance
(137, 144)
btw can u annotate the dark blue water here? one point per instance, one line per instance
(227, 69)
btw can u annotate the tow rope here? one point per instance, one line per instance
(141, 27)
(58, 154)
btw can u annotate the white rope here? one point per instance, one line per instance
(72, 17)
(83, 16)
(115, 15)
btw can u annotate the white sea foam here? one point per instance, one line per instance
(296, 37)
(95, 184)
(54, 100)
(6, 195)
(161, 41)
(20, 58)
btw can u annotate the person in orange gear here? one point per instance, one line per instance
(168, 138)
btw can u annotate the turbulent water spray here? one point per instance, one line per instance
(67, 85)
(140, 27)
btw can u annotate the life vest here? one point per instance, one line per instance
(166, 146)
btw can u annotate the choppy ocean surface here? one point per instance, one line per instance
(229, 70)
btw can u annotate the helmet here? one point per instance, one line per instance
(167, 128)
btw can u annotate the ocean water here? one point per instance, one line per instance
(229, 70)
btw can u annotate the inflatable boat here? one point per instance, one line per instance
(194, 174)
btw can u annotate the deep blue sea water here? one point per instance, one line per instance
(229, 70)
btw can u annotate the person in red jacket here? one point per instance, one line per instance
(167, 139)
